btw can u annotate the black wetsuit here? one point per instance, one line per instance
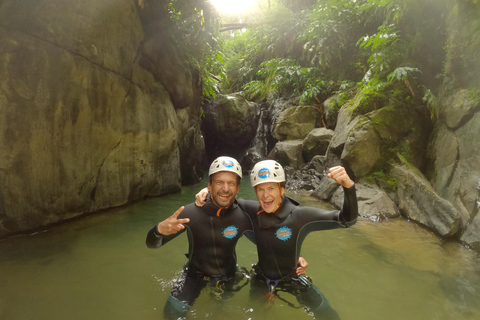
(279, 237)
(212, 234)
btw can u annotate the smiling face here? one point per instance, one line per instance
(223, 188)
(270, 195)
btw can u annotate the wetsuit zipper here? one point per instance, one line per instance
(214, 246)
(274, 257)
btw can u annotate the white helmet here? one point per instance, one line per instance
(225, 164)
(267, 171)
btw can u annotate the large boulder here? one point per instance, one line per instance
(418, 201)
(345, 123)
(288, 153)
(316, 143)
(471, 236)
(460, 108)
(456, 154)
(330, 108)
(229, 126)
(365, 143)
(373, 203)
(296, 122)
(362, 150)
(325, 190)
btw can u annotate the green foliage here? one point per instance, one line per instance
(240, 62)
(385, 51)
(382, 179)
(284, 77)
(474, 95)
(320, 45)
(212, 72)
(255, 89)
(401, 73)
(314, 88)
(193, 26)
(269, 37)
(431, 101)
(333, 29)
(369, 99)
(311, 51)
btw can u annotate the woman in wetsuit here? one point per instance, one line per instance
(281, 225)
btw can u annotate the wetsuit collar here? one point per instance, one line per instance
(266, 220)
(213, 210)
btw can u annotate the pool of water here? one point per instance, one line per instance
(98, 267)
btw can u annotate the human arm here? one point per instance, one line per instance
(201, 197)
(349, 212)
(166, 230)
(250, 207)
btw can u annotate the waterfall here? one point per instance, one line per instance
(263, 142)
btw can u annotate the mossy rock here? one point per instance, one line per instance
(378, 136)
(296, 122)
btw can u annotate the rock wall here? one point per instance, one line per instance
(455, 147)
(84, 125)
(229, 126)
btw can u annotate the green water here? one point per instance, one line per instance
(99, 268)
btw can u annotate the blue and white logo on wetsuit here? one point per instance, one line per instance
(283, 233)
(230, 232)
(227, 163)
(263, 173)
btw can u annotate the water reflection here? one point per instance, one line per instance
(99, 268)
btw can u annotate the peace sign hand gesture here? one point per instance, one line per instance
(172, 224)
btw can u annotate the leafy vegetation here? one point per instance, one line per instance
(313, 49)
(314, 52)
(382, 179)
(193, 26)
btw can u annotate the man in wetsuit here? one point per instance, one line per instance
(213, 232)
(281, 225)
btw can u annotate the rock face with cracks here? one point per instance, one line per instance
(84, 125)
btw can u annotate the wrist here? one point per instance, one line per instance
(160, 230)
(348, 184)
